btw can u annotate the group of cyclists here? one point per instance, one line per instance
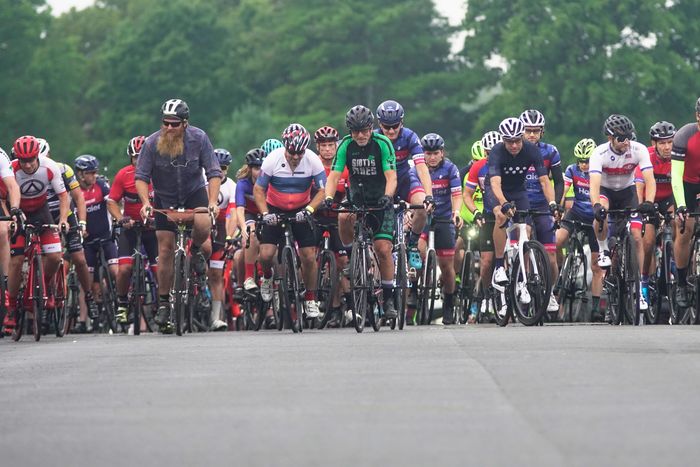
(239, 219)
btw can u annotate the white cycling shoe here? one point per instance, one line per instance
(312, 310)
(266, 289)
(522, 293)
(500, 279)
(643, 305)
(604, 260)
(553, 305)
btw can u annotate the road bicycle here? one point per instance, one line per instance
(662, 281)
(468, 274)
(572, 284)
(403, 276)
(428, 291)
(689, 315)
(106, 320)
(327, 281)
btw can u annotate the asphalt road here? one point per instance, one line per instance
(477, 395)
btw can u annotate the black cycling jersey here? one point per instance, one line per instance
(513, 169)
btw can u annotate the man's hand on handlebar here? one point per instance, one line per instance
(146, 211)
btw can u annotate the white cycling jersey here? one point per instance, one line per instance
(34, 187)
(617, 170)
(5, 167)
(227, 197)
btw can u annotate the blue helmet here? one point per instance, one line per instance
(87, 163)
(390, 113)
(223, 156)
(270, 145)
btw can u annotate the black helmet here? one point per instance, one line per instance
(359, 118)
(620, 125)
(432, 142)
(255, 157)
(662, 130)
(176, 108)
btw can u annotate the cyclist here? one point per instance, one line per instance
(661, 134)
(9, 191)
(99, 226)
(544, 226)
(577, 177)
(270, 145)
(447, 189)
(225, 229)
(413, 182)
(326, 139)
(284, 187)
(686, 188)
(124, 190)
(173, 158)
(508, 165)
(34, 174)
(370, 160)
(74, 240)
(247, 211)
(612, 184)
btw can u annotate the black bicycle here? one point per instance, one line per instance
(468, 274)
(327, 281)
(689, 315)
(572, 284)
(428, 290)
(402, 281)
(138, 293)
(106, 320)
(662, 281)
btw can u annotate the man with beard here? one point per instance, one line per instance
(173, 159)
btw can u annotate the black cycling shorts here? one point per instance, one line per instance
(127, 245)
(622, 199)
(692, 196)
(304, 235)
(92, 251)
(486, 233)
(198, 199)
(445, 237)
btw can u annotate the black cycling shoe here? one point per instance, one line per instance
(447, 315)
(682, 296)
(79, 328)
(163, 314)
(93, 311)
(390, 310)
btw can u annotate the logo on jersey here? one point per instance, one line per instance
(32, 188)
(364, 167)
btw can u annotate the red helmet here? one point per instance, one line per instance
(26, 147)
(326, 134)
(295, 138)
(135, 145)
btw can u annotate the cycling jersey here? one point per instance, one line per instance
(662, 175)
(34, 187)
(5, 165)
(70, 182)
(406, 144)
(550, 158)
(339, 193)
(618, 169)
(286, 189)
(475, 180)
(446, 185)
(366, 166)
(514, 169)
(244, 196)
(686, 148)
(124, 187)
(579, 181)
(98, 223)
(226, 199)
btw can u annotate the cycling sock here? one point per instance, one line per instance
(164, 298)
(603, 245)
(595, 304)
(122, 300)
(449, 300)
(249, 270)
(499, 263)
(682, 275)
(216, 307)
(388, 290)
(309, 295)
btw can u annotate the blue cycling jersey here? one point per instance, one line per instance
(407, 144)
(582, 197)
(514, 169)
(550, 158)
(98, 219)
(446, 185)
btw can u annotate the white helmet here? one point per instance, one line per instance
(490, 139)
(44, 147)
(511, 128)
(532, 117)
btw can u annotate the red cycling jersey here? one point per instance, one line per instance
(34, 187)
(662, 175)
(124, 186)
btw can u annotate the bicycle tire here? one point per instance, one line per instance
(690, 313)
(538, 284)
(570, 293)
(498, 300)
(138, 292)
(191, 303)
(289, 294)
(426, 289)
(3, 294)
(179, 291)
(59, 312)
(465, 293)
(401, 291)
(358, 286)
(38, 297)
(108, 297)
(375, 283)
(20, 316)
(326, 284)
(632, 289)
(72, 310)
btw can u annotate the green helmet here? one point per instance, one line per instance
(478, 152)
(584, 149)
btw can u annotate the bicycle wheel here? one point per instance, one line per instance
(359, 286)
(537, 281)
(179, 292)
(632, 289)
(138, 292)
(59, 312)
(20, 316)
(499, 302)
(375, 283)
(573, 284)
(464, 296)
(426, 289)
(3, 294)
(290, 299)
(108, 297)
(71, 305)
(401, 290)
(38, 297)
(326, 284)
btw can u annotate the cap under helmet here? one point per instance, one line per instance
(176, 108)
(326, 134)
(478, 152)
(255, 157)
(532, 117)
(584, 148)
(490, 139)
(358, 118)
(87, 162)
(617, 124)
(270, 145)
(662, 130)
(511, 128)
(432, 142)
(135, 145)
(26, 147)
(295, 138)
(390, 112)
(223, 156)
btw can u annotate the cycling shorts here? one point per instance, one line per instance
(486, 233)
(336, 245)
(92, 251)
(381, 223)
(408, 185)
(567, 224)
(50, 240)
(444, 238)
(198, 199)
(127, 245)
(692, 196)
(544, 228)
(217, 256)
(274, 234)
(622, 199)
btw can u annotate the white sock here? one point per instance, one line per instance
(216, 306)
(603, 245)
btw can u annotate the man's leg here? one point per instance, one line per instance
(383, 250)
(447, 272)
(166, 254)
(601, 234)
(419, 220)
(307, 255)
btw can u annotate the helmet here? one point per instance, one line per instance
(662, 130)
(532, 117)
(359, 118)
(697, 106)
(584, 148)
(87, 162)
(432, 142)
(511, 128)
(490, 139)
(26, 147)
(270, 145)
(478, 151)
(176, 108)
(326, 134)
(618, 125)
(44, 147)
(390, 113)
(255, 157)
(223, 156)
(295, 138)
(135, 145)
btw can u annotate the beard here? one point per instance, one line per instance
(171, 145)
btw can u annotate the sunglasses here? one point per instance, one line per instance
(622, 138)
(584, 161)
(512, 141)
(27, 161)
(296, 153)
(168, 123)
(391, 127)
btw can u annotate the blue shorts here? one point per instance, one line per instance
(544, 228)
(445, 237)
(408, 184)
